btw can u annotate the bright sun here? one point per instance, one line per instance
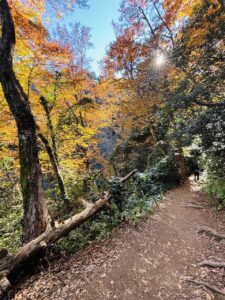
(160, 60)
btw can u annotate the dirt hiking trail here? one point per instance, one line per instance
(149, 261)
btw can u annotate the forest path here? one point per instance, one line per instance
(149, 261)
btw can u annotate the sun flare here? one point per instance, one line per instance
(160, 60)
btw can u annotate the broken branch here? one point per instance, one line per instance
(129, 175)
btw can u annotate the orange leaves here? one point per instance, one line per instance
(177, 10)
(28, 21)
(54, 50)
(124, 55)
(32, 35)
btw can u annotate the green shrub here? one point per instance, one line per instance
(96, 228)
(215, 191)
(137, 208)
(129, 202)
(10, 224)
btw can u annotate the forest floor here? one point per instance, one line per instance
(151, 260)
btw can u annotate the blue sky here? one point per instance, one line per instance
(99, 17)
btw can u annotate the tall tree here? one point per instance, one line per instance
(35, 209)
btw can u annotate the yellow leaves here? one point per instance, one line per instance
(198, 36)
(45, 162)
(73, 166)
(187, 8)
(36, 62)
(8, 132)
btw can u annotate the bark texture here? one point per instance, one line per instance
(35, 209)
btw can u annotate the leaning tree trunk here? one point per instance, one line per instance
(48, 110)
(56, 169)
(52, 151)
(35, 209)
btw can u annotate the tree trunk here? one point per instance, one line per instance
(35, 209)
(47, 110)
(56, 169)
(52, 151)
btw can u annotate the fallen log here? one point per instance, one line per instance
(11, 262)
(212, 232)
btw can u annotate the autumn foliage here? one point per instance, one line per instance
(160, 78)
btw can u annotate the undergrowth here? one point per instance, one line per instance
(130, 202)
(215, 191)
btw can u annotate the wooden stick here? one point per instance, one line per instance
(129, 175)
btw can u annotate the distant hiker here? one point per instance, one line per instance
(196, 173)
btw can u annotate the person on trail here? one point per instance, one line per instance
(196, 173)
